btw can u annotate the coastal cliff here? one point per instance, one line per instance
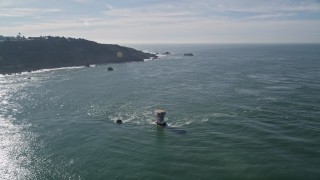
(34, 53)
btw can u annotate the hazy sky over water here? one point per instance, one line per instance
(165, 21)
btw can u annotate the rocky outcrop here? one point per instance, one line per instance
(188, 54)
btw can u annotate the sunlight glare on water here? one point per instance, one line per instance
(15, 150)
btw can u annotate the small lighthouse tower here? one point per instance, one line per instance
(160, 117)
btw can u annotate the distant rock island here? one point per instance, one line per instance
(19, 54)
(188, 54)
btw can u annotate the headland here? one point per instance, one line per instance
(20, 54)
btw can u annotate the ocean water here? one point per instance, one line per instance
(249, 112)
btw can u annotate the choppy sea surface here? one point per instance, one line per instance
(250, 112)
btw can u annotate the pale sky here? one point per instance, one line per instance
(165, 21)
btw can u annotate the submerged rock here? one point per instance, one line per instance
(167, 53)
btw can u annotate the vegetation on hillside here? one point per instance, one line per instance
(34, 53)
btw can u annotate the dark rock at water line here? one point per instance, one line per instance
(110, 69)
(188, 54)
(119, 121)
